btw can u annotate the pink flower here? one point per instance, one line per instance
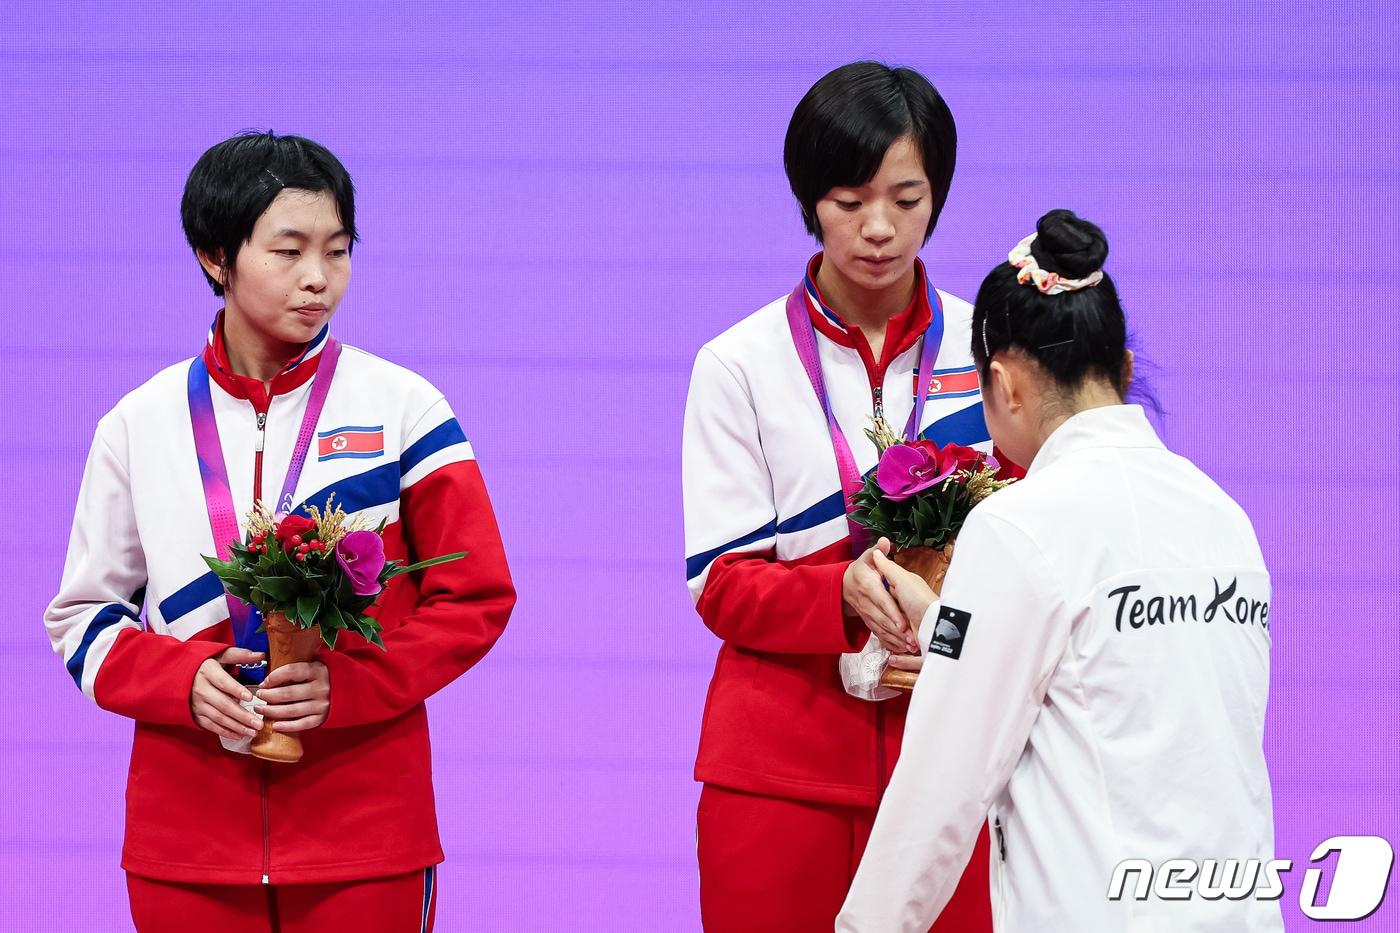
(361, 555)
(906, 469)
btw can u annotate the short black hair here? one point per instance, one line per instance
(1072, 335)
(233, 183)
(845, 124)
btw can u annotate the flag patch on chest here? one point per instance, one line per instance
(360, 443)
(952, 383)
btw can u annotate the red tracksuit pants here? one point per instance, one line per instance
(784, 866)
(396, 904)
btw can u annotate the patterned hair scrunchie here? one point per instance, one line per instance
(1049, 283)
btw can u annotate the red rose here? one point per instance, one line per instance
(294, 526)
(965, 457)
(927, 446)
(956, 456)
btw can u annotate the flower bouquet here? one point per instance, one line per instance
(310, 578)
(918, 497)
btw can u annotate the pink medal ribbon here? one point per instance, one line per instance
(804, 338)
(213, 473)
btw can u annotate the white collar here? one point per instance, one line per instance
(1109, 426)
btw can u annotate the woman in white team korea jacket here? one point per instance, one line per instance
(1096, 672)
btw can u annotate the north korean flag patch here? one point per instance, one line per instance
(359, 443)
(952, 383)
(949, 632)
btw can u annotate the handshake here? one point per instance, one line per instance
(892, 602)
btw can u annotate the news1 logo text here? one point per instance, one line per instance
(1359, 880)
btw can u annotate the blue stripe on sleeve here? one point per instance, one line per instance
(439, 438)
(694, 566)
(190, 597)
(819, 514)
(106, 617)
(966, 427)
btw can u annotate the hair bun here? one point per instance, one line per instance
(1069, 245)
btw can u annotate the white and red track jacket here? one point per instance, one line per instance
(767, 539)
(360, 803)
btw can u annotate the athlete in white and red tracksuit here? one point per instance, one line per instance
(793, 766)
(345, 839)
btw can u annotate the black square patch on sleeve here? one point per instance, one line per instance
(949, 632)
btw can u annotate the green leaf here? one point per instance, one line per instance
(239, 591)
(921, 524)
(307, 607)
(359, 604)
(282, 589)
(430, 562)
(345, 594)
(329, 635)
(228, 570)
(260, 599)
(370, 630)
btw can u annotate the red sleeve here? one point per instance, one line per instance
(1008, 469)
(764, 604)
(148, 676)
(461, 610)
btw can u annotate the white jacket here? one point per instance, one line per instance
(141, 527)
(756, 440)
(1089, 682)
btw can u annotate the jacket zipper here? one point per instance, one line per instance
(999, 871)
(263, 778)
(877, 401)
(258, 456)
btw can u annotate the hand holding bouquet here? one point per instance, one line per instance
(311, 577)
(918, 497)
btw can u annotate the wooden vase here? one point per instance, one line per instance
(932, 565)
(287, 643)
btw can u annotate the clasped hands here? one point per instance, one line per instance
(891, 602)
(298, 696)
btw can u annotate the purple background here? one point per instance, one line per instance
(560, 203)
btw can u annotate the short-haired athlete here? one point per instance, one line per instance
(793, 766)
(1106, 700)
(346, 839)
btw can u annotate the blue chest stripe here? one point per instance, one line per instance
(966, 427)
